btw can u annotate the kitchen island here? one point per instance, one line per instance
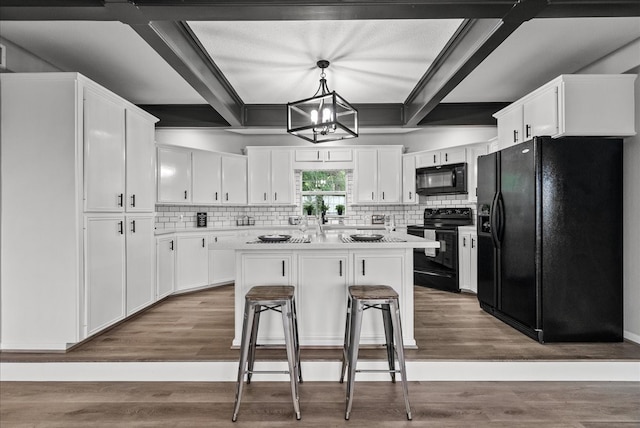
(321, 267)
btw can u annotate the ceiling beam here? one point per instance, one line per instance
(174, 44)
(473, 43)
(278, 10)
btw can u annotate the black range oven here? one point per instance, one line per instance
(438, 267)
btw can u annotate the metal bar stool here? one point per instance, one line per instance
(360, 299)
(279, 298)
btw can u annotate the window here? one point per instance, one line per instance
(324, 190)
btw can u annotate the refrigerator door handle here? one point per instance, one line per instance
(500, 218)
(494, 221)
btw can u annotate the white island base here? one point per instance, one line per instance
(321, 272)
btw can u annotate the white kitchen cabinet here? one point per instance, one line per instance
(165, 266)
(409, 179)
(270, 176)
(218, 178)
(222, 263)
(441, 157)
(105, 272)
(472, 169)
(104, 149)
(140, 162)
(174, 175)
(571, 105)
(119, 155)
(141, 259)
(468, 259)
(72, 282)
(206, 177)
(373, 268)
(234, 180)
(275, 268)
(378, 175)
(510, 127)
(323, 158)
(323, 277)
(192, 262)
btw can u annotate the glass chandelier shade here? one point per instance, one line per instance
(324, 117)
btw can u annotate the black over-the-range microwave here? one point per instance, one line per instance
(442, 180)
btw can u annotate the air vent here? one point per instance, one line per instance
(3, 56)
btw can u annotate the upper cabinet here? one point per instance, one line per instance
(187, 176)
(140, 160)
(174, 175)
(378, 175)
(441, 157)
(323, 158)
(270, 176)
(409, 179)
(571, 105)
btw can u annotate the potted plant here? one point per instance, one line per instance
(308, 207)
(340, 209)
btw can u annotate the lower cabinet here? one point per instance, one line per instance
(265, 269)
(140, 262)
(468, 260)
(322, 278)
(120, 259)
(222, 263)
(105, 272)
(166, 266)
(377, 269)
(193, 262)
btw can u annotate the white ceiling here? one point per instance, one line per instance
(274, 62)
(371, 61)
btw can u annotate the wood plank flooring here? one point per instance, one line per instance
(268, 404)
(199, 327)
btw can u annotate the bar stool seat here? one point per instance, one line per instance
(384, 298)
(279, 298)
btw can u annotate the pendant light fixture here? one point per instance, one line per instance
(324, 117)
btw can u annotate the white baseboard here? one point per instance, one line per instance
(324, 371)
(631, 337)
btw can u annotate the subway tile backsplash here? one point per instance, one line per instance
(184, 216)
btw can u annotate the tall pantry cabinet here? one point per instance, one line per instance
(77, 189)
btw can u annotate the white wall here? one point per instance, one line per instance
(627, 60)
(21, 60)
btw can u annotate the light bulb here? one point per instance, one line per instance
(326, 115)
(314, 116)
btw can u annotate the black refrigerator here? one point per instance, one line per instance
(550, 238)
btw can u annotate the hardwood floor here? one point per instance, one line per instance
(268, 404)
(199, 327)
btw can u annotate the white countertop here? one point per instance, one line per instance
(262, 229)
(325, 241)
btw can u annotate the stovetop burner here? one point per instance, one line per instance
(435, 218)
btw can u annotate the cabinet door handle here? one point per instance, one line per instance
(185, 194)
(121, 227)
(120, 199)
(340, 267)
(372, 196)
(283, 268)
(171, 247)
(363, 268)
(473, 243)
(275, 196)
(527, 131)
(410, 195)
(133, 200)
(216, 196)
(216, 239)
(226, 196)
(515, 136)
(133, 226)
(383, 196)
(434, 159)
(446, 157)
(318, 154)
(464, 241)
(265, 196)
(202, 242)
